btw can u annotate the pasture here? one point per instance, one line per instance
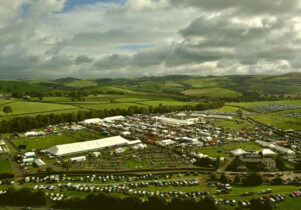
(5, 166)
(249, 105)
(109, 106)
(278, 120)
(239, 124)
(23, 107)
(166, 103)
(80, 83)
(212, 93)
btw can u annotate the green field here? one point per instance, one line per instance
(4, 101)
(5, 166)
(227, 109)
(290, 203)
(81, 83)
(241, 124)
(237, 190)
(263, 103)
(278, 120)
(14, 85)
(166, 103)
(23, 107)
(109, 106)
(212, 93)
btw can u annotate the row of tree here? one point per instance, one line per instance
(22, 124)
(103, 201)
(27, 197)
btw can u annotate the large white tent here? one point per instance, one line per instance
(67, 149)
(115, 118)
(238, 152)
(267, 152)
(173, 121)
(92, 121)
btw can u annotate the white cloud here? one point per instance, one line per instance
(38, 38)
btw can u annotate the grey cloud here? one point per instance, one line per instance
(83, 59)
(244, 6)
(171, 56)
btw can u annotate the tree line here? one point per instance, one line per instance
(103, 201)
(28, 197)
(25, 123)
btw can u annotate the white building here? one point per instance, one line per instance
(173, 121)
(219, 117)
(73, 148)
(93, 121)
(34, 133)
(29, 155)
(78, 159)
(115, 118)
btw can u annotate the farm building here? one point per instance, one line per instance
(173, 121)
(73, 148)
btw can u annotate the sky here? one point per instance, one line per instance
(131, 38)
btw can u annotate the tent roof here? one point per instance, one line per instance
(65, 149)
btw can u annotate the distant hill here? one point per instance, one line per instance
(232, 86)
(67, 79)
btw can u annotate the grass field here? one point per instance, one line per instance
(5, 166)
(107, 89)
(227, 109)
(80, 83)
(4, 101)
(212, 92)
(23, 107)
(290, 203)
(213, 151)
(166, 103)
(109, 106)
(263, 103)
(237, 190)
(278, 120)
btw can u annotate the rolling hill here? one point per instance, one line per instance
(187, 86)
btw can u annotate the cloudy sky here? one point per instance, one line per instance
(126, 38)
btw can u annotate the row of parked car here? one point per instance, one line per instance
(267, 191)
(104, 179)
(119, 188)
